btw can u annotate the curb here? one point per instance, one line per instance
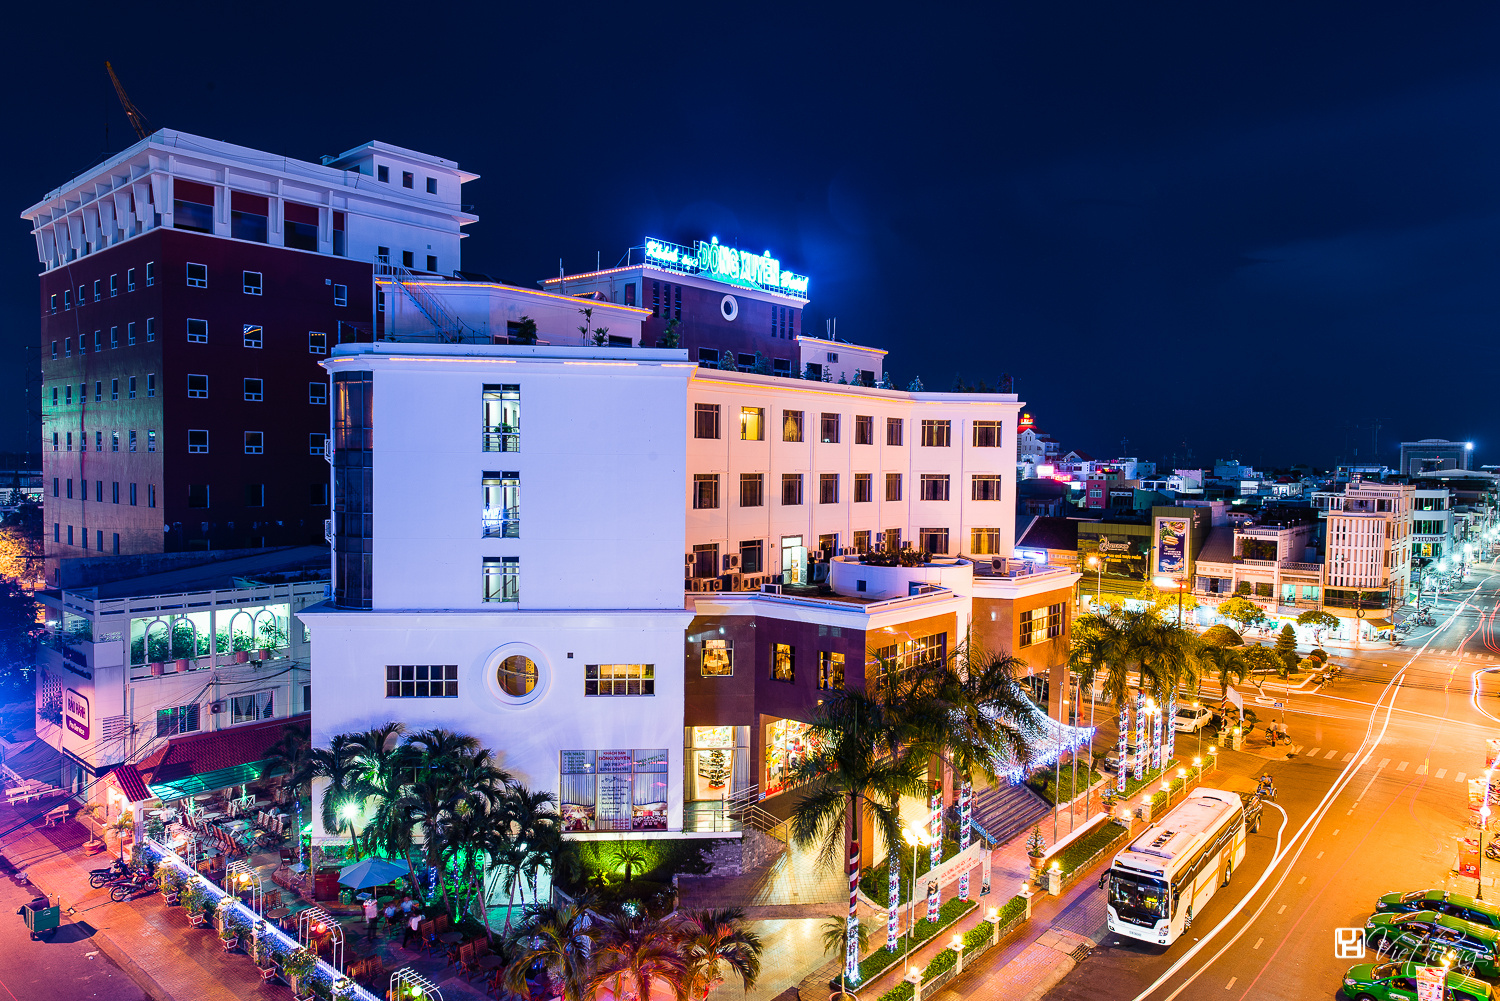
(1065, 965)
(119, 956)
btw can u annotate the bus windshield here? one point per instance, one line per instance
(1139, 895)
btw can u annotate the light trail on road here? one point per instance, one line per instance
(1303, 837)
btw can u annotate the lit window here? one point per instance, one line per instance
(317, 343)
(619, 679)
(783, 662)
(502, 582)
(421, 681)
(752, 424)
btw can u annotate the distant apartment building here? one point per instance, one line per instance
(189, 289)
(1368, 540)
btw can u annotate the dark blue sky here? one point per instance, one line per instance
(1229, 231)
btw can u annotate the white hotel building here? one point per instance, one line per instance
(560, 631)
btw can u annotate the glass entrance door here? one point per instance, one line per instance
(793, 560)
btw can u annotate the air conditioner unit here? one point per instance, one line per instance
(216, 707)
(770, 588)
(751, 583)
(731, 561)
(730, 582)
(714, 584)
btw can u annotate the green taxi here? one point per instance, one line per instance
(1438, 932)
(1481, 912)
(1398, 982)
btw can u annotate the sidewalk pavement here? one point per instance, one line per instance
(154, 944)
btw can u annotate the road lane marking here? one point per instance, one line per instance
(1459, 777)
(1336, 831)
(1348, 757)
(1314, 752)
(1257, 943)
(1402, 767)
(1383, 762)
(1230, 985)
(1422, 768)
(1440, 773)
(1302, 880)
(1330, 755)
(1320, 855)
(1281, 909)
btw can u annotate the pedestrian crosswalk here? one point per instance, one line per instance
(1344, 757)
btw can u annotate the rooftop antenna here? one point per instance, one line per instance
(137, 120)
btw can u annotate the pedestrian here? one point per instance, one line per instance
(413, 922)
(372, 916)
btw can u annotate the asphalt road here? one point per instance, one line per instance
(1364, 817)
(67, 968)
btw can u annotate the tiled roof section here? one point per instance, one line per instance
(1219, 546)
(1051, 533)
(131, 783)
(207, 752)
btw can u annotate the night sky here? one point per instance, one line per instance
(1209, 229)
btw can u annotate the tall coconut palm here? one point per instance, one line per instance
(632, 952)
(1100, 649)
(714, 942)
(346, 790)
(531, 835)
(557, 941)
(853, 773)
(972, 713)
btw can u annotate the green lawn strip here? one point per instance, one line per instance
(1134, 785)
(874, 880)
(1044, 786)
(1086, 847)
(976, 938)
(882, 960)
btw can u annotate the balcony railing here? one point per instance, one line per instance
(502, 439)
(506, 525)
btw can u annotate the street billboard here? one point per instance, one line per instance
(1171, 545)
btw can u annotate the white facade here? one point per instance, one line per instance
(840, 361)
(1369, 538)
(131, 193)
(600, 463)
(747, 436)
(110, 668)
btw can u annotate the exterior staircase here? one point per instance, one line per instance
(1006, 810)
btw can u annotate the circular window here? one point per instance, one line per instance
(517, 676)
(730, 307)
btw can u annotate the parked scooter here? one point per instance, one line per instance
(113, 871)
(137, 884)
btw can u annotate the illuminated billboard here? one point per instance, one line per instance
(728, 264)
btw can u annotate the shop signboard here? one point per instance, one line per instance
(1491, 751)
(714, 260)
(76, 713)
(1171, 545)
(1123, 556)
(1430, 982)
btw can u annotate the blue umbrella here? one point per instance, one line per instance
(372, 872)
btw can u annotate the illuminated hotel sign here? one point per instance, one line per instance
(714, 260)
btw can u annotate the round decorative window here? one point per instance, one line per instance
(730, 307)
(517, 676)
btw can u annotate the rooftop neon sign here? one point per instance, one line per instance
(726, 264)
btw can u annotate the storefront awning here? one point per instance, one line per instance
(1379, 623)
(221, 778)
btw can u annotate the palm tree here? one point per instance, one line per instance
(528, 835)
(835, 935)
(559, 941)
(973, 714)
(711, 941)
(293, 754)
(339, 764)
(634, 951)
(853, 773)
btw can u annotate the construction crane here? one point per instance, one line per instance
(137, 120)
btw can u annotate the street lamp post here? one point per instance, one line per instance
(1096, 564)
(1484, 820)
(1178, 584)
(917, 839)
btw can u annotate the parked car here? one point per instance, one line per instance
(1190, 719)
(1112, 759)
(1398, 982)
(1481, 912)
(1439, 932)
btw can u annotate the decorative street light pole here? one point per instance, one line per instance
(1096, 564)
(1484, 820)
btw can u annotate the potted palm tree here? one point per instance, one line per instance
(1036, 847)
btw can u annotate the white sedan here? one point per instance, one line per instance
(1189, 719)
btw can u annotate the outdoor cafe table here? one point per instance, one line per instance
(490, 962)
(451, 937)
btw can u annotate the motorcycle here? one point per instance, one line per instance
(116, 869)
(1492, 851)
(1266, 789)
(137, 884)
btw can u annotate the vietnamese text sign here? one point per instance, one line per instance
(76, 712)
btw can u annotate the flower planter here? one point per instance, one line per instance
(93, 846)
(156, 670)
(1037, 865)
(183, 666)
(241, 656)
(265, 654)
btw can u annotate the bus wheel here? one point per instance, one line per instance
(1228, 871)
(1187, 920)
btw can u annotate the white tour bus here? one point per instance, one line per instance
(1171, 870)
